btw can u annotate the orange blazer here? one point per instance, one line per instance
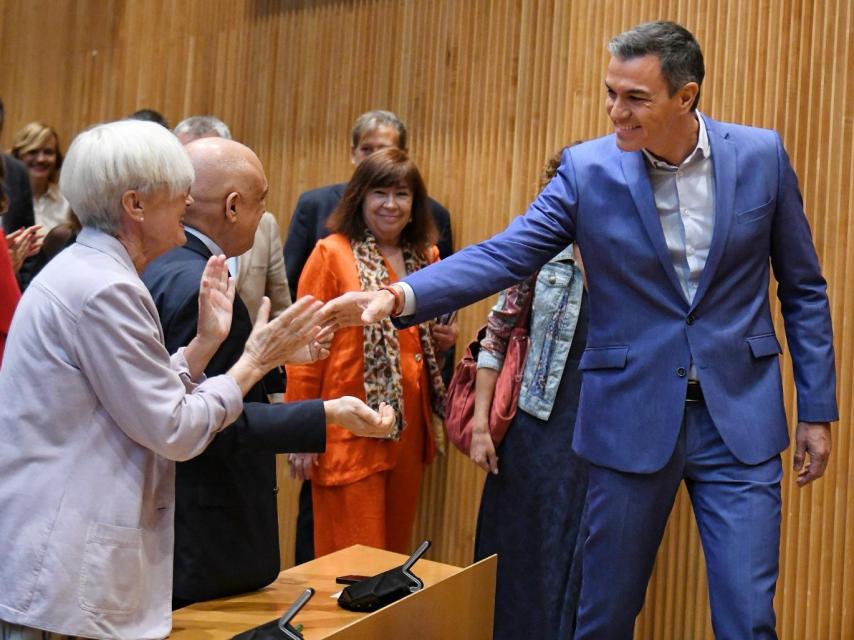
(329, 272)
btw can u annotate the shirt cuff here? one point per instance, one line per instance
(408, 299)
(486, 360)
(179, 364)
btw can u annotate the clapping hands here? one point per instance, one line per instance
(216, 300)
(23, 243)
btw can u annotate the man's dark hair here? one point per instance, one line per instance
(676, 48)
(150, 115)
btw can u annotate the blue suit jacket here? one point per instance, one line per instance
(643, 333)
(226, 531)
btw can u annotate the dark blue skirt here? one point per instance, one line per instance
(531, 515)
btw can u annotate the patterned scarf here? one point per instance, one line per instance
(382, 348)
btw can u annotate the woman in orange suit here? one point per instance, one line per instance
(365, 490)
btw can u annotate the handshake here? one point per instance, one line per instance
(301, 334)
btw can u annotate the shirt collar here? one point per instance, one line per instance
(215, 249)
(702, 150)
(52, 192)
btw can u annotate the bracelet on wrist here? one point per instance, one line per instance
(398, 300)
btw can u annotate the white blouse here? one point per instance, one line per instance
(51, 208)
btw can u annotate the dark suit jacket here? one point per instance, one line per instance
(17, 187)
(20, 212)
(308, 225)
(226, 533)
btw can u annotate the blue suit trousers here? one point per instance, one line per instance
(737, 508)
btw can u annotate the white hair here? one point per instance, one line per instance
(201, 126)
(107, 160)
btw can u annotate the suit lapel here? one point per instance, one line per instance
(637, 179)
(723, 165)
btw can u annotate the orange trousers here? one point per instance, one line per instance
(377, 511)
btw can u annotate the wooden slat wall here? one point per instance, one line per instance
(489, 88)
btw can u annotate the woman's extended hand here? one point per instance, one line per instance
(354, 415)
(216, 300)
(444, 336)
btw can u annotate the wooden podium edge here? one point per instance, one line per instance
(461, 606)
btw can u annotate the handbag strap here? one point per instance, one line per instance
(525, 312)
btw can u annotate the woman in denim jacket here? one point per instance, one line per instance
(531, 513)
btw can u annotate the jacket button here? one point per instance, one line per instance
(681, 372)
(552, 279)
(417, 357)
(690, 319)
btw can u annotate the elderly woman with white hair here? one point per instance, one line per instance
(93, 410)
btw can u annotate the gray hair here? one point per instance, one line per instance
(200, 126)
(109, 159)
(373, 120)
(676, 48)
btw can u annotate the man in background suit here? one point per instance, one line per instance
(226, 533)
(372, 131)
(678, 218)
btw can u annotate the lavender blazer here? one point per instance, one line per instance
(93, 412)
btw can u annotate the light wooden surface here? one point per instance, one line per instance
(454, 599)
(489, 89)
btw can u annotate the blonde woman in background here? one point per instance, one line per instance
(37, 146)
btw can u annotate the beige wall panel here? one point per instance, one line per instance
(489, 89)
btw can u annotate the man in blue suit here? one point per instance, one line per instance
(678, 218)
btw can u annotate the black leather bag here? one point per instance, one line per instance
(384, 588)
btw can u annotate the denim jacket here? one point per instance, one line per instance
(554, 314)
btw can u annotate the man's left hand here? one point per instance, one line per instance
(813, 439)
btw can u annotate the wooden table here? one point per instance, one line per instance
(455, 603)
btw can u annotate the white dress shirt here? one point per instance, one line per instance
(215, 249)
(685, 199)
(51, 208)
